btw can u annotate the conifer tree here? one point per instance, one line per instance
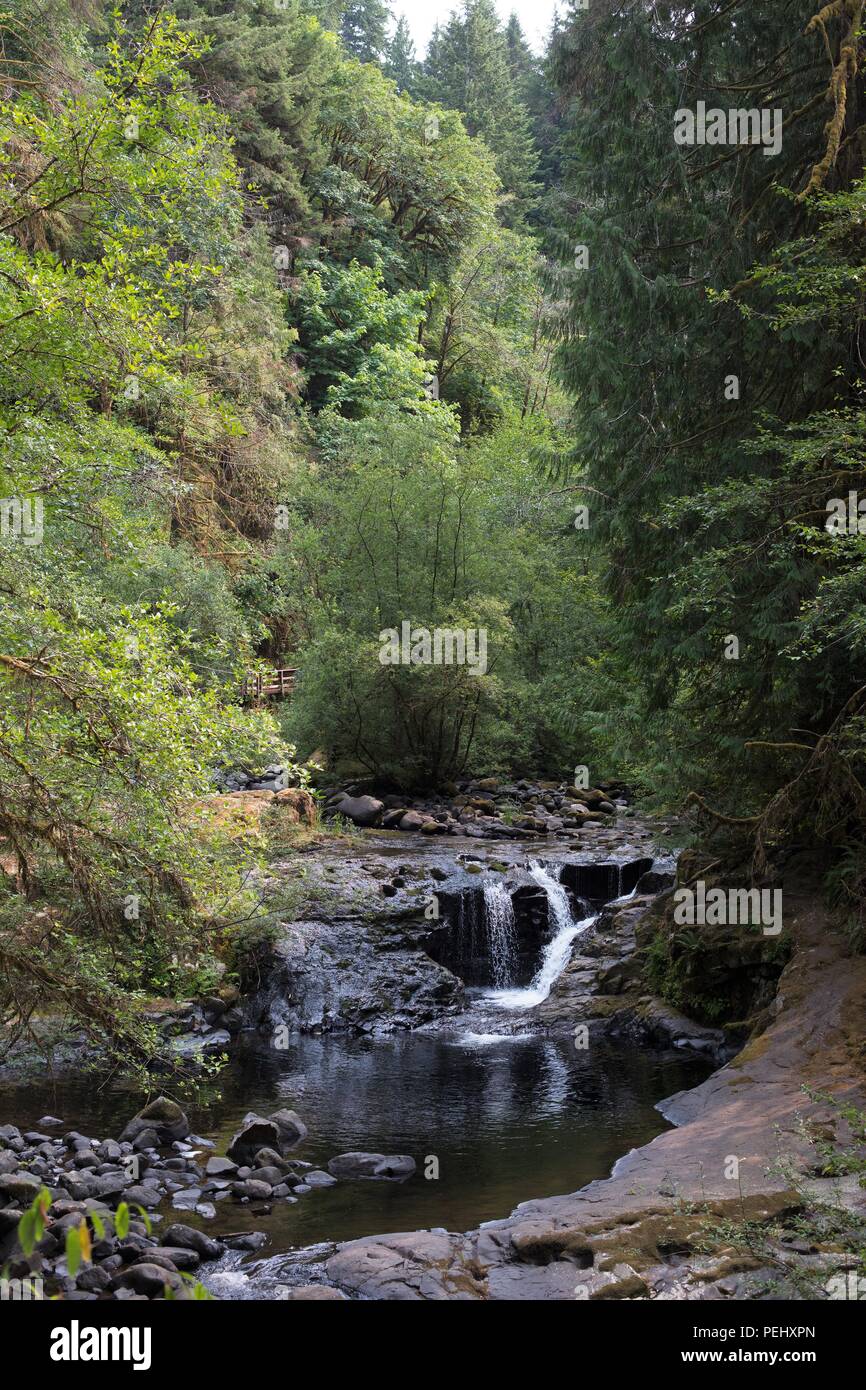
(467, 68)
(364, 29)
(706, 374)
(401, 64)
(266, 66)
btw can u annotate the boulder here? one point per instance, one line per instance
(317, 1178)
(290, 1127)
(297, 805)
(187, 1238)
(162, 1115)
(254, 1133)
(411, 821)
(147, 1279)
(19, 1187)
(363, 810)
(178, 1256)
(394, 1167)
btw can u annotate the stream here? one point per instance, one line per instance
(493, 1112)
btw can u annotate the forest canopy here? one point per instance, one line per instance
(304, 335)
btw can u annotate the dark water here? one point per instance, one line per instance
(506, 1121)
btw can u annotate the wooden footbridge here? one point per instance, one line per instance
(276, 684)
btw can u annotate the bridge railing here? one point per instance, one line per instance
(276, 684)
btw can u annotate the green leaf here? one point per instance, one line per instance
(73, 1251)
(121, 1221)
(27, 1232)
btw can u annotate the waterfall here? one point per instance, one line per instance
(557, 952)
(501, 932)
(557, 898)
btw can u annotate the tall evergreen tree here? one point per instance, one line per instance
(266, 67)
(400, 62)
(364, 29)
(535, 90)
(709, 342)
(327, 12)
(467, 68)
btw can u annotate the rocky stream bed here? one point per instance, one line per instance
(446, 1030)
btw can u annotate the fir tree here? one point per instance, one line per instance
(467, 68)
(400, 62)
(710, 382)
(364, 29)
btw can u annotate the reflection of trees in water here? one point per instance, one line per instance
(416, 1087)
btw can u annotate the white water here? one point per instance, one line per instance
(557, 952)
(501, 931)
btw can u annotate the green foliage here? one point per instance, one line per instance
(359, 344)
(364, 27)
(709, 505)
(119, 674)
(401, 64)
(468, 67)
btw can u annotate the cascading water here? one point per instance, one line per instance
(501, 931)
(557, 898)
(556, 953)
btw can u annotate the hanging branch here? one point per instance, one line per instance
(843, 73)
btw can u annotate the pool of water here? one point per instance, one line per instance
(500, 1120)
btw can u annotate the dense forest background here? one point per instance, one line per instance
(303, 334)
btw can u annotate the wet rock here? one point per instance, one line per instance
(19, 1187)
(9, 1218)
(246, 1240)
(202, 1044)
(362, 810)
(188, 1238)
(147, 1279)
(177, 1256)
(93, 1279)
(290, 1127)
(255, 1131)
(163, 1116)
(317, 1178)
(320, 1293)
(366, 1165)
